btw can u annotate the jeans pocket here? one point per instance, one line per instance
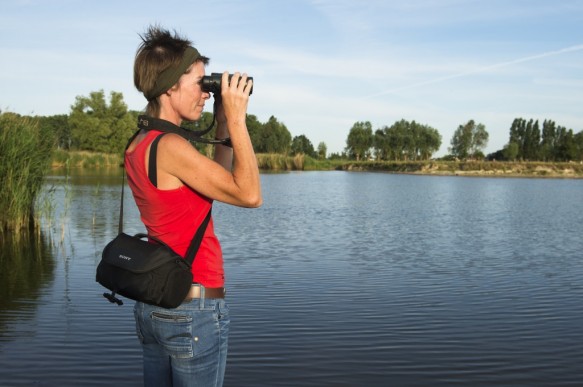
(173, 332)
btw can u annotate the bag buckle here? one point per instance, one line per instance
(112, 298)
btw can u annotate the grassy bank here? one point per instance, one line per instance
(277, 162)
(84, 159)
(472, 168)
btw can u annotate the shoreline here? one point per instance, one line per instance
(535, 169)
(282, 163)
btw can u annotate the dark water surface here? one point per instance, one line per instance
(340, 279)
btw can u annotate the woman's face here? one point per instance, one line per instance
(187, 98)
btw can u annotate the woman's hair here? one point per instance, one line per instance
(159, 50)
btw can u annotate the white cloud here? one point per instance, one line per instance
(437, 62)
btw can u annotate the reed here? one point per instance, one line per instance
(312, 164)
(25, 154)
(279, 162)
(85, 159)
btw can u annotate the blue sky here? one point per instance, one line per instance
(319, 65)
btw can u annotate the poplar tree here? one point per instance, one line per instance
(359, 140)
(469, 140)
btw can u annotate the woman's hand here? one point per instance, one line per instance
(239, 185)
(235, 98)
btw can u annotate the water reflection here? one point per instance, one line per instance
(26, 266)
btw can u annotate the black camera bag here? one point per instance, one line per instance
(145, 271)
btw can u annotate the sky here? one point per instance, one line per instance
(319, 66)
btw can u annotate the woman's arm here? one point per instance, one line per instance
(223, 153)
(179, 162)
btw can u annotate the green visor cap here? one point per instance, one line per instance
(172, 74)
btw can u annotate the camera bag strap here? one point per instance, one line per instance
(152, 174)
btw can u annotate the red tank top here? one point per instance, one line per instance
(174, 215)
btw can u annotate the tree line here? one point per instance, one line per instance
(97, 125)
(552, 142)
(403, 140)
(406, 140)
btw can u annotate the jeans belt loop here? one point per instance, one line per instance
(202, 297)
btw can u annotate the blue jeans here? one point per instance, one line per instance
(186, 346)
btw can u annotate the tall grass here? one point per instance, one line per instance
(85, 159)
(299, 162)
(25, 154)
(279, 162)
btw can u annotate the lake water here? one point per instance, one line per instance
(340, 279)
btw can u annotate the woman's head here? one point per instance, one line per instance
(162, 58)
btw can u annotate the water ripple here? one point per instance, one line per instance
(340, 279)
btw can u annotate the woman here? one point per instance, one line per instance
(187, 346)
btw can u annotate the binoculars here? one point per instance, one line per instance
(212, 83)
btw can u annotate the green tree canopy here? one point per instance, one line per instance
(406, 140)
(302, 145)
(273, 137)
(322, 150)
(556, 143)
(98, 126)
(578, 138)
(58, 125)
(360, 140)
(469, 140)
(510, 151)
(254, 127)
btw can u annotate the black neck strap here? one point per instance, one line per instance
(151, 123)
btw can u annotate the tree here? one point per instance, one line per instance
(58, 125)
(397, 140)
(359, 140)
(406, 140)
(273, 137)
(302, 145)
(254, 127)
(428, 141)
(97, 126)
(531, 141)
(578, 138)
(517, 130)
(469, 140)
(380, 144)
(322, 150)
(510, 151)
(548, 141)
(556, 143)
(338, 156)
(566, 148)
